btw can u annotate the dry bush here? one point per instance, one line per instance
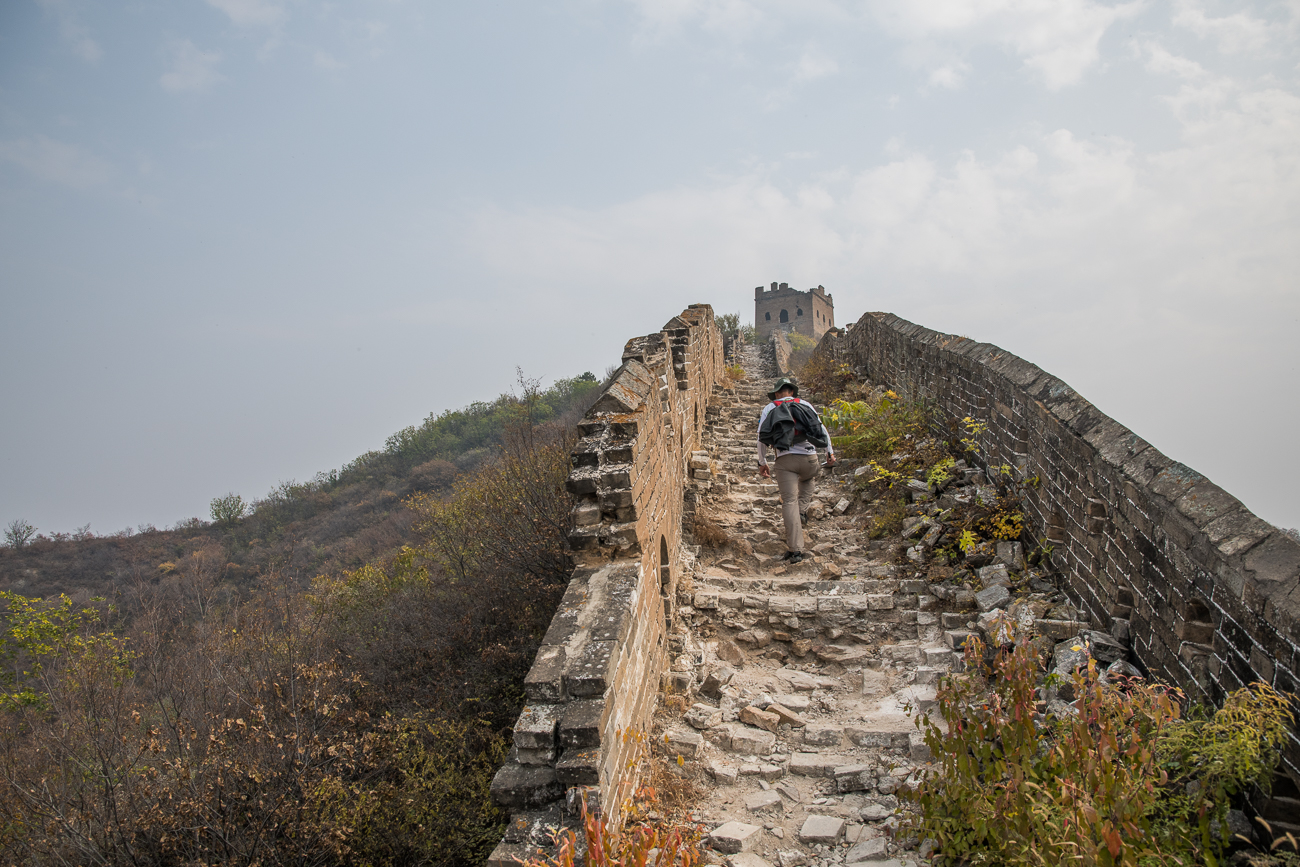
(241, 721)
(437, 474)
(511, 515)
(240, 739)
(669, 791)
(708, 532)
(825, 379)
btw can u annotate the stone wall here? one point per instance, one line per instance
(781, 351)
(1207, 593)
(595, 679)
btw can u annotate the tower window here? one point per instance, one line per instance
(785, 316)
(767, 316)
(798, 311)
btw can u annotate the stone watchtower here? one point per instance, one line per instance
(781, 308)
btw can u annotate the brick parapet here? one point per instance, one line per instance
(594, 681)
(781, 351)
(1210, 592)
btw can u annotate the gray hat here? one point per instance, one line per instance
(781, 383)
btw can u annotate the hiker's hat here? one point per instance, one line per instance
(783, 382)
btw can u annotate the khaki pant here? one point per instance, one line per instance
(794, 479)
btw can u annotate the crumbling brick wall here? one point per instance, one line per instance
(1207, 593)
(595, 679)
(781, 351)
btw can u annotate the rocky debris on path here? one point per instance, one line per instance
(802, 682)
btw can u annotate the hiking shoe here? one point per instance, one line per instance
(803, 517)
(791, 555)
(796, 557)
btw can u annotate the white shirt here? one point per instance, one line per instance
(803, 448)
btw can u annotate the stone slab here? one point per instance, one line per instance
(760, 801)
(816, 764)
(872, 850)
(823, 830)
(735, 837)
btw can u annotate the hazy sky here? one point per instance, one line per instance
(242, 241)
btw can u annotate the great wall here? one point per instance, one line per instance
(797, 679)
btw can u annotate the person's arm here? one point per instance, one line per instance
(762, 449)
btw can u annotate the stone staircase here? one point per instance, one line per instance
(801, 682)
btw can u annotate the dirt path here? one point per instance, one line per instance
(796, 682)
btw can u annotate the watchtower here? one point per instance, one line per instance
(781, 308)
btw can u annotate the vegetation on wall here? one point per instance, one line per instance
(801, 349)
(1133, 777)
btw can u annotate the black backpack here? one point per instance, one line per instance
(791, 421)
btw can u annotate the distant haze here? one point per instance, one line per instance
(242, 241)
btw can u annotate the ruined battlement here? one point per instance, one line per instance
(780, 308)
(596, 677)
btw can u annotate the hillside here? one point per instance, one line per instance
(328, 679)
(338, 520)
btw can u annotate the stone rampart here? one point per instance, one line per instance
(593, 685)
(781, 351)
(1207, 593)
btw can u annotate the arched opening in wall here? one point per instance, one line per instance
(1198, 624)
(798, 311)
(1196, 633)
(665, 580)
(785, 316)
(665, 569)
(767, 316)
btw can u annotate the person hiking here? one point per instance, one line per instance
(793, 439)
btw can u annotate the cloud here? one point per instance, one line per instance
(325, 60)
(1160, 61)
(1056, 39)
(1235, 34)
(951, 75)
(1094, 222)
(813, 64)
(734, 19)
(72, 30)
(192, 69)
(57, 161)
(1148, 277)
(252, 13)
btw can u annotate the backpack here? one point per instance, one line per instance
(791, 421)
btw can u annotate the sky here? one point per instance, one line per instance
(243, 241)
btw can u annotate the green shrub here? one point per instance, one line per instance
(889, 521)
(417, 793)
(228, 509)
(1108, 785)
(861, 429)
